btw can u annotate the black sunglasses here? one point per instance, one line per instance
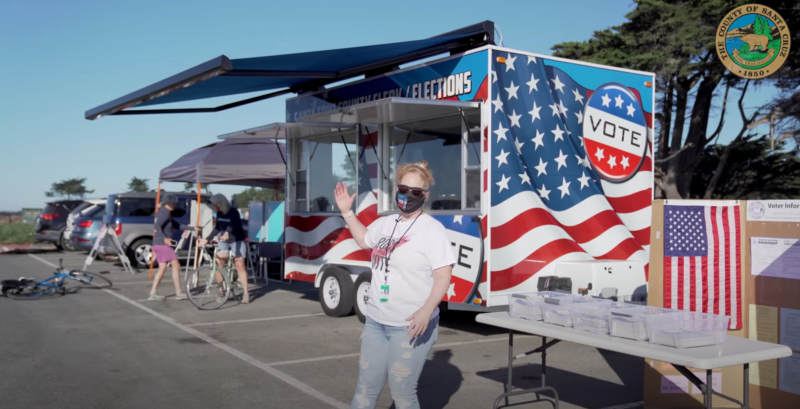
(416, 191)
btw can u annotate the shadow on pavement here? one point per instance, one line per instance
(577, 389)
(439, 381)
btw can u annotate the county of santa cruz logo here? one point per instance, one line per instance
(756, 210)
(615, 132)
(753, 41)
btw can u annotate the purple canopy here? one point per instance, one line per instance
(252, 162)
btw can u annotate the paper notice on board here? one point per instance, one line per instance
(763, 323)
(764, 373)
(773, 210)
(716, 382)
(790, 374)
(790, 329)
(674, 384)
(775, 257)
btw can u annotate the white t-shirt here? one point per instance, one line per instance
(423, 249)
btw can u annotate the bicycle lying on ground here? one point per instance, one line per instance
(208, 288)
(30, 289)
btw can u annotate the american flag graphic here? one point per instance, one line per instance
(547, 202)
(702, 268)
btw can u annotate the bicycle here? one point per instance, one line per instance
(208, 288)
(30, 289)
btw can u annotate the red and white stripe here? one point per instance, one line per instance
(709, 284)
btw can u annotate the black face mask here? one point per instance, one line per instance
(409, 203)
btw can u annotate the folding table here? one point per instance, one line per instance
(735, 351)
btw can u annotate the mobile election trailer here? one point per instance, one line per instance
(542, 167)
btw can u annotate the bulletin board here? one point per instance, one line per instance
(772, 298)
(664, 386)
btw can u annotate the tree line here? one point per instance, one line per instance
(675, 40)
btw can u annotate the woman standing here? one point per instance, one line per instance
(162, 247)
(412, 261)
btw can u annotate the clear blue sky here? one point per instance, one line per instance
(62, 58)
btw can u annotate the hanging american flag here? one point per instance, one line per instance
(702, 268)
(548, 203)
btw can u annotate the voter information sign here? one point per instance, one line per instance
(615, 132)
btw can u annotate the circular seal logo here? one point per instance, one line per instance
(756, 210)
(753, 41)
(615, 132)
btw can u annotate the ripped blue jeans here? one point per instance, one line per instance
(386, 351)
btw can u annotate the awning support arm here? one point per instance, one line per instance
(353, 164)
(277, 145)
(404, 146)
(376, 153)
(466, 126)
(204, 110)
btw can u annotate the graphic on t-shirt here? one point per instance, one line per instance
(381, 251)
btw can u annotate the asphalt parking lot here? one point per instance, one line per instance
(113, 349)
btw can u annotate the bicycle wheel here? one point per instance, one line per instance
(90, 280)
(33, 291)
(206, 290)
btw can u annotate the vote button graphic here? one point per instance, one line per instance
(615, 132)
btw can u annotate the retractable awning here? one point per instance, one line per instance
(287, 73)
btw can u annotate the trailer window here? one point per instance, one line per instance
(452, 150)
(320, 164)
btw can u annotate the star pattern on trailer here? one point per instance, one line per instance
(559, 86)
(535, 112)
(512, 91)
(510, 62)
(514, 118)
(500, 132)
(532, 84)
(541, 168)
(549, 161)
(578, 96)
(538, 140)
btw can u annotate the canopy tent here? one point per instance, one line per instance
(289, 73)
(253, 162)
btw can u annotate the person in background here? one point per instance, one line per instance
(162, 247)
(229, 224)
(412, 262)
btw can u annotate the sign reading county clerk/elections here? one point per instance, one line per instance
(615, 132)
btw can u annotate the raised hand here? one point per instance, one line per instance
(343, 199)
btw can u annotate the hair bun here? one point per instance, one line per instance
(423, 164)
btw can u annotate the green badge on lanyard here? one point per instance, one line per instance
(384, 293)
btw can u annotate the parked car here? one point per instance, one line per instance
(84, 209)
(132, 217)
(52, 222)
(86, 228)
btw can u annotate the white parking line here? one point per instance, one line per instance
(233, 351)
(202, 324)
(435, 346)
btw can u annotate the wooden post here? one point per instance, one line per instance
(152, 240)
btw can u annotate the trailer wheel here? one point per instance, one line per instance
(336, 292)
(361, 295)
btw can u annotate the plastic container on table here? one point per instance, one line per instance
(558, 310)
(631, 323)
(687, 329)
(529, 305)
(593, 317)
